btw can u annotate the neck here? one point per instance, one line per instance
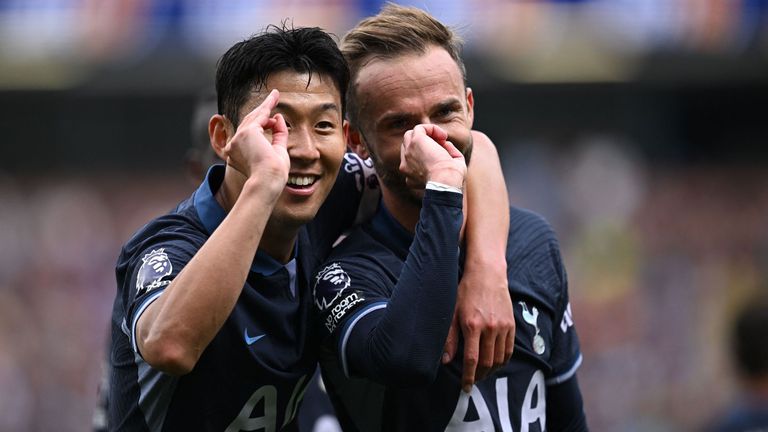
(229, 190)
(276, 241)
(407, 213)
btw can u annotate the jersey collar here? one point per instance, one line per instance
(388, 230)
(211, 214)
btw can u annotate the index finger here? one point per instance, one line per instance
(265, 107)
(433, 131)
(471, 354)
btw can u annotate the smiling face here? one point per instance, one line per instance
(394, 95)
(316, 141)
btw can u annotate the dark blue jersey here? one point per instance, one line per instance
(368, 396)
(253, 374)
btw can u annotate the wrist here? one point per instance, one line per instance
(485, 263)
(257, 188)
(448, 176)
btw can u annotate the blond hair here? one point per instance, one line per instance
(395, 31)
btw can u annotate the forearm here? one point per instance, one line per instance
(403, 345)
(565, 407)
(487, 225)
(174, 330)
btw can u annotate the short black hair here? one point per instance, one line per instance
(247, 65)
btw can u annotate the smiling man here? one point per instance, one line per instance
(210, 324)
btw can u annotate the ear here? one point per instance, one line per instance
(345, 130)
(470, 107)
(220, 131)
(356, 143)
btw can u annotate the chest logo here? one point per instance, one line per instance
(250, 340)
(154, 266)
(532, 318)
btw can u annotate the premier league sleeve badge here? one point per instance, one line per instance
(154, 267)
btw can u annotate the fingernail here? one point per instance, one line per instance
(446, 358)
(467, 389)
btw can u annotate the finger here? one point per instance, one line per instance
(433, 131)
(451, 342)
(487, 353)
(270, 102)
(452, 150)
(279, 131)
(471, 347)
(261, 113)
(510, 346)
(499, 357)
(407, 137)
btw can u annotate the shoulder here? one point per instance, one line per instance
(357, 253)
(359, 262)
(533, 249)
(178, 233)
(530, 230)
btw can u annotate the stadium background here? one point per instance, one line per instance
(637, 127)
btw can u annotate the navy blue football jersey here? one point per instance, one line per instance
(355, 300)
(253, 374)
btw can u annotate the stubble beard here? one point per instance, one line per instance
(394, 180)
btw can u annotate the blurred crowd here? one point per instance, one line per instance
(58, 247)
(66, 43)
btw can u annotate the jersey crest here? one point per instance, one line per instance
(532, 318)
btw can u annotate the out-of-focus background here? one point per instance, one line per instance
(637, 127)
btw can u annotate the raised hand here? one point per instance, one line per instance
(251, 152)
(426, 155)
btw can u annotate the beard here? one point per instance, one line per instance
(391, 177)
(394, 180)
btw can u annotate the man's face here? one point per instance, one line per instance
(394, 95)
(316, 141)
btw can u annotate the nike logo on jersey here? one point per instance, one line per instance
(250, 340)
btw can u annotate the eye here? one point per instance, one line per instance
(325, 125)
(399, 124)
(447, 111)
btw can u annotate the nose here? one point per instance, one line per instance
(302, 145)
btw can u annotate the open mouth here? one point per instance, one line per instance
(301, 181)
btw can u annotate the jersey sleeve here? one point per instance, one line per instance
(395, 334)
(566, 352)
(353, 200)
(150, 272)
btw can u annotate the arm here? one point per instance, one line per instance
(483, 306)
(565, 407)
(396, 334)
(173, 331)
(401, 344)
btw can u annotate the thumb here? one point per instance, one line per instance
(279, 131)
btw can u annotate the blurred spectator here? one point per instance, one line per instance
(200, 155)
(749, 349)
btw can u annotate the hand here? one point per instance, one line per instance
(427, 155)
(485, 315)
(250, 150)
